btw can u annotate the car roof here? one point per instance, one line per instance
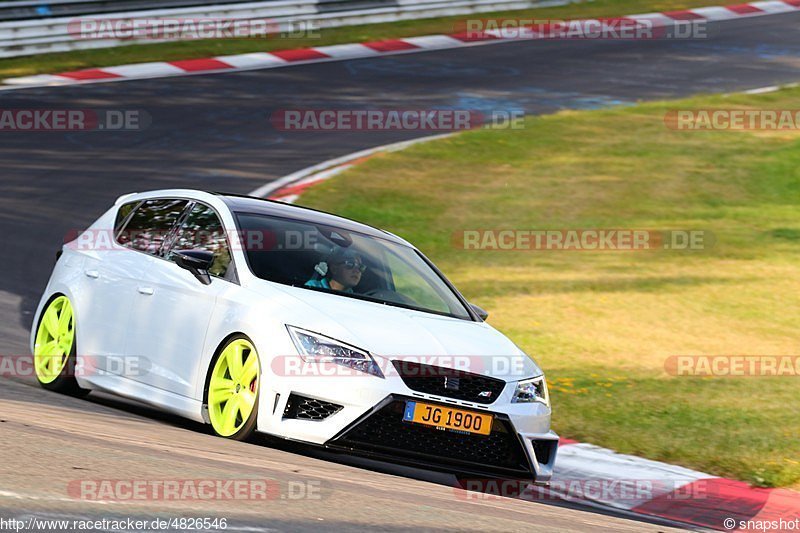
(249, 204)
(239, 203)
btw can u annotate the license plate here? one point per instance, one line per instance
(447, 417)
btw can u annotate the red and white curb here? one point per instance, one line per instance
(289, 188)
(594, 475)
(282, 58)
(598, 477)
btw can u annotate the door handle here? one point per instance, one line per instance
(94, 274)
(146, 290)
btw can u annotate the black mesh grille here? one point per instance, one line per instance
(449, 383)
(303, 408)
(385, 431)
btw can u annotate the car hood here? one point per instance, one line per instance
(397, 333)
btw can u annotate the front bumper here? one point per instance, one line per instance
(364, 416)
(382, 434)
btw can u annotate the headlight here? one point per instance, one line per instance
(316, 348)
(532, 390)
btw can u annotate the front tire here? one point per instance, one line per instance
(54, 349)
(232, 389)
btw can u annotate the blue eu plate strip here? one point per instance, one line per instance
(409, 414)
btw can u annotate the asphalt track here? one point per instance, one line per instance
(212, 132)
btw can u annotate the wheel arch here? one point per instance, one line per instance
(207, 381)
(213, 360)
(44, 303)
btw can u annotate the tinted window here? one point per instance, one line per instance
(344, 263)
(202, 230)
(150, 224)
(413, 283)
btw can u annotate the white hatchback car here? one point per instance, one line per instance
(252, 315)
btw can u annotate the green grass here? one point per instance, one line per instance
(603, 324)
(67, 61)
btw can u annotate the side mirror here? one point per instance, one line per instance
(480, 311)
(197, 262)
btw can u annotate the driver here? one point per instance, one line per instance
(340, 272)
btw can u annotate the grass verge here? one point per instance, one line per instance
(603, 324)
(76, 60)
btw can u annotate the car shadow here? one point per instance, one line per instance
(28, 390)
(488, 487)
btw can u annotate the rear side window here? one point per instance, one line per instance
(150, 225)
(202, 230)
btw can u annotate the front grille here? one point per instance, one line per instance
(303, 408)
(449, 383)
(384, 431)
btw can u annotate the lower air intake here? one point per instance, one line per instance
(304, 408)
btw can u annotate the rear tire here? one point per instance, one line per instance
(232, 389)
(54, 350)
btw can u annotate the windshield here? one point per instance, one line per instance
(345, 263)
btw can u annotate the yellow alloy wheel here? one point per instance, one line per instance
(54, 340)
(233, 389)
